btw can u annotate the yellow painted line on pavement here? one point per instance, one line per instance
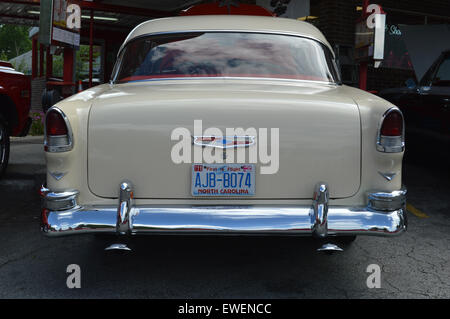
(410, 208)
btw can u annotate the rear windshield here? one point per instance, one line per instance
(221, 54)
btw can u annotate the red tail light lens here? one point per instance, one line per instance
(55, 124)
(390, 137)
(58, 135)
(392, 124)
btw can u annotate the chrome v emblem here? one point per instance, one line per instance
(388, 176)
(57, 175)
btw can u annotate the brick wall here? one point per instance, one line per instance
(336, 19)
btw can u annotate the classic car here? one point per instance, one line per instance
(15, 89)
(425, 105)
(224, 125)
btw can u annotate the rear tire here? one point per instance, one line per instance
(4, 146)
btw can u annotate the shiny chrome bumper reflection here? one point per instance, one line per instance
(225, 220)
(319, 219)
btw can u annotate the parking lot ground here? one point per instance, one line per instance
(414, 265)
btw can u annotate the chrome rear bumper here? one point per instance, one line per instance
(319, 219)
(226, 220)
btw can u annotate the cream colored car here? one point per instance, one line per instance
(143, 154)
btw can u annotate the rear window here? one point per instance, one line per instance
(221, 54)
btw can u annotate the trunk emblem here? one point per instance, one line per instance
(224, 141)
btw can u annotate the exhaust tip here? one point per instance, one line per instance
(121, 247)
(329, 248)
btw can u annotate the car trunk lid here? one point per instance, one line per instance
(130, 126)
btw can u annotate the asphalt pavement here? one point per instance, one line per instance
(414, 265)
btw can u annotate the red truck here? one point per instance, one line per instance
(15, 92)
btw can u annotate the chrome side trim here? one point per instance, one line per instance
(387, 144)
(58, 148)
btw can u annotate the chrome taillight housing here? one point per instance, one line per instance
(58, 134)
(391, 132)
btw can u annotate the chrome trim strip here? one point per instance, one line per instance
(60, 148)
(386, 148)
(199, 78)
(52, 196)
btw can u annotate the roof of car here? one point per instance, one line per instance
(227, 23)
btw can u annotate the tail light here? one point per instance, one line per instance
(58, 135)
(391, 133)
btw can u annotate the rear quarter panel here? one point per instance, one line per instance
(372, 108)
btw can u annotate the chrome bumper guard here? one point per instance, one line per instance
(385, 215)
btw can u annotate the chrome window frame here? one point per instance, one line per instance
(337, 81)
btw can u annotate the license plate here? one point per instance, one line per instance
(223, 180)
